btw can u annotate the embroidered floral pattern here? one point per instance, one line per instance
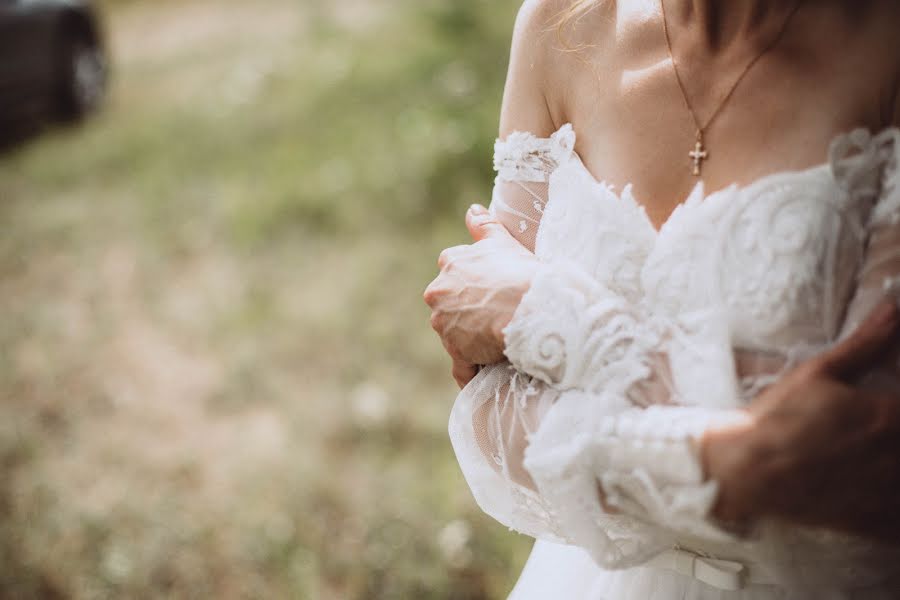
(623, 351)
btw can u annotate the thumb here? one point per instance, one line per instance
(854, 355)
(481, 223)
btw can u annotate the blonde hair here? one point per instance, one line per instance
(569, 17)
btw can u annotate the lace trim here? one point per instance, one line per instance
(596, 344)
(523, 156)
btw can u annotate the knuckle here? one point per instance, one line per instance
(432, 293)
(448, 255)
(453, 351)
(443, 258)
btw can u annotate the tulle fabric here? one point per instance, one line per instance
(632, 342)
(562, 571)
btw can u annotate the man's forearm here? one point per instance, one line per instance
(839, 471)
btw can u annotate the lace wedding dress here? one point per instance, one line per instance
(632, 341)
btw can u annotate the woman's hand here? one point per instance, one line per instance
(478, 289)
(818, 451)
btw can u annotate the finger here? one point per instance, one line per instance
(463, 372)
(482, 224)
(856, 354)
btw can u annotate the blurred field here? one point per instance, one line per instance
(217, 375)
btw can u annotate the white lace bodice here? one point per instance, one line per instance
(624, 350)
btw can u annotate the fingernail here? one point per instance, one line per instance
(477, 209)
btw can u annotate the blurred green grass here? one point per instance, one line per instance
(217, 374)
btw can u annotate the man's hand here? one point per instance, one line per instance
(819, 451)
(477, 291)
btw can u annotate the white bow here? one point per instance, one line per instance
(719, 573)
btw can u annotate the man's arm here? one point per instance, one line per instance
(819, 451)
(824, 445)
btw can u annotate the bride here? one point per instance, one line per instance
(680, 370)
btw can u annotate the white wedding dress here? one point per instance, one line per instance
(632, 341)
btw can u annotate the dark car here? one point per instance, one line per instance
(53, 62)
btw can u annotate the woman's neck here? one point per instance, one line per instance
(720, 22)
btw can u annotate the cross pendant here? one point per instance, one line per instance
(698, 154)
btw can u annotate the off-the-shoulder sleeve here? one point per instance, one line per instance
(593, 401)
(604, 398)
(880, 272)
(524, 162)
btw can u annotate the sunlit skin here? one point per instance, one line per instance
(818, 450)
(477, 291)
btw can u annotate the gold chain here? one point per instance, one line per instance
(698, 153)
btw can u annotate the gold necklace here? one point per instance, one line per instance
(699, 153)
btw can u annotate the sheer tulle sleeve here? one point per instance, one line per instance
(588, 435)
(880, 272)
(524, 163)
(632, 391)
(600, 396)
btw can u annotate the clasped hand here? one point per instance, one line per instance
(820, 449)
(477, 291)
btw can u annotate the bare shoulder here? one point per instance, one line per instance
(541, 63)
(525, 105)
(883, 20)
(537, 29)
(885, 49)
(893, 11)
(536, 17)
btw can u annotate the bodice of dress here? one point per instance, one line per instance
(779, 256)
(623, 351)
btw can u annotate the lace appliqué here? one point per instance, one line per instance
(522, 156)
(524, 163)
(622, 348)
